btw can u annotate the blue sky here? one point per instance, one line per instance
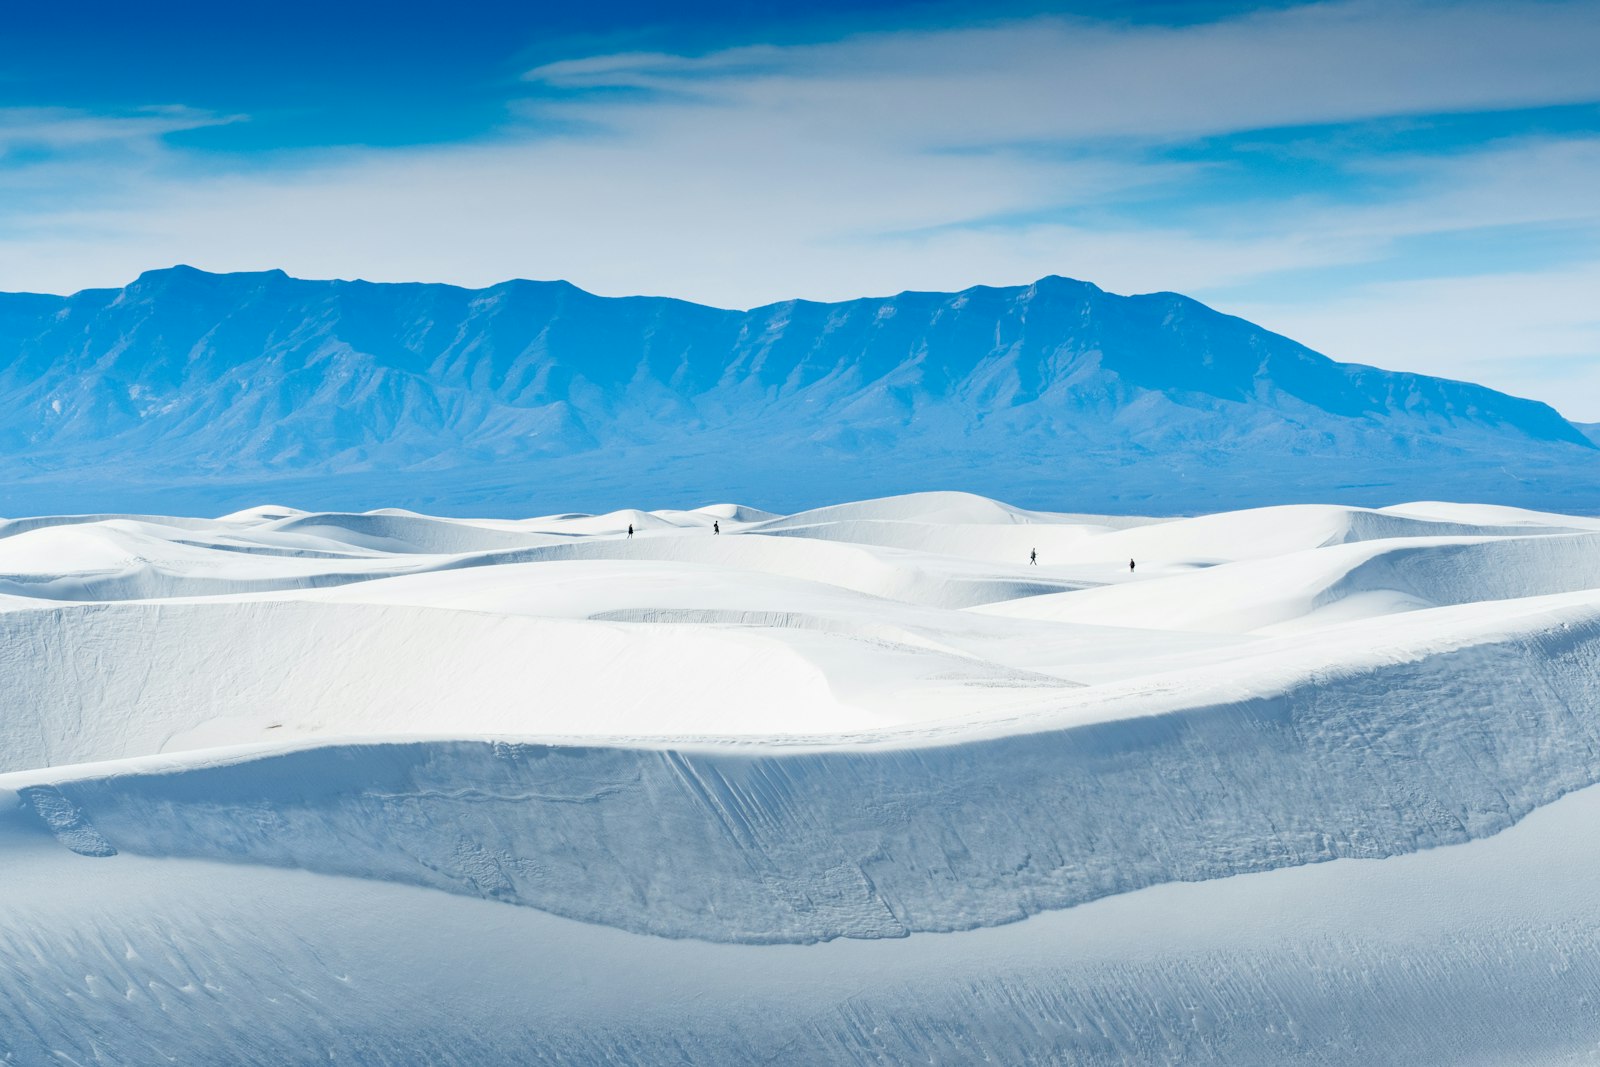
(1411, 184)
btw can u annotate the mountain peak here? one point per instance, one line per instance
(1056, 283)
(181, 274)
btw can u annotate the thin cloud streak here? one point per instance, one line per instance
(1054, 78)
(64, 128)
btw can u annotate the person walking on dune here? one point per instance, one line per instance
(716, 527)
(1033, 556)
(630, 531)
(1130, 566)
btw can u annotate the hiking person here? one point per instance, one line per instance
(1130, 566)
(716, 527)
(1033, 556)
(630, 531)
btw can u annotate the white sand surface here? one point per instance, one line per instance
(857, 785)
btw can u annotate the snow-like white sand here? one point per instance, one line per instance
(856, 785)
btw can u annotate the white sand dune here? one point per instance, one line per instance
(1306, 590)
(857, 785)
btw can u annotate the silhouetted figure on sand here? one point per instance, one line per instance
(1130, 566)
(1033, 556)
(716, 527)
(630, 531)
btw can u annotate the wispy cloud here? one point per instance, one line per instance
(56, 163)
(1051, 78)
(1531, 333)
(63, 128)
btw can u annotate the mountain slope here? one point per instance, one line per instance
(188, 389)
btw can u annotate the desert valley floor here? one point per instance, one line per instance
(1309, 784)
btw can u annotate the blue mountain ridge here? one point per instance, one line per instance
(191, 391)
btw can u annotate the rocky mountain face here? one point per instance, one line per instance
(195, 391)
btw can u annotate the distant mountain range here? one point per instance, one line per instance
(189, 391)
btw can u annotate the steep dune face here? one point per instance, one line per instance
(1057, 392)
(1103, 793)
(849, 770)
